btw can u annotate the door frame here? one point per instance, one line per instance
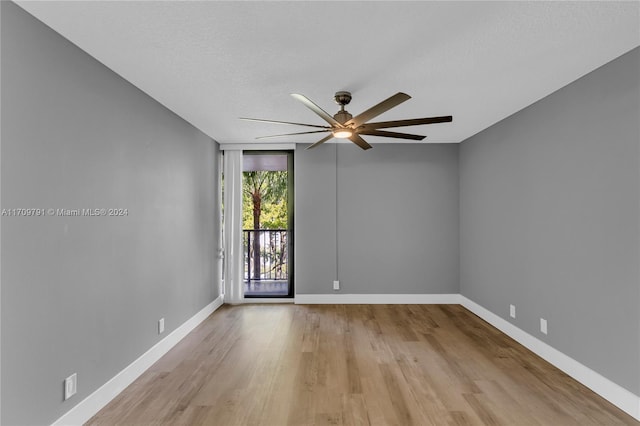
(290, 221)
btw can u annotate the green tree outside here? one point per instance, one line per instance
(264, 200)
(264, 206)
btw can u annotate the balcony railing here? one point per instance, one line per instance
(266, 254)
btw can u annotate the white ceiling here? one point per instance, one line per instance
(212, 62)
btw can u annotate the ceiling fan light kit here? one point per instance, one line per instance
(343, 125)
(342, 133)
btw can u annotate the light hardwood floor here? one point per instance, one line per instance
(354, 365)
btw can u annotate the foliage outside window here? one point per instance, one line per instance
(265, 208)
(264, 201)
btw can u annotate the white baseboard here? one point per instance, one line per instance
(89, 406)
(378, 299)
(612, 392)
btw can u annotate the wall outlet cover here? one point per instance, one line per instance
(70, 386)
(161, 326)
(543, 325)
(512, 311)
(336, 285)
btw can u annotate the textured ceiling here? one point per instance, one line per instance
(212, 62)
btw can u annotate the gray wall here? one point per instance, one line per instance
(397, 219)
(84, 294)
(550, 219)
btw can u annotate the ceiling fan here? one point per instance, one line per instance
(344, 126)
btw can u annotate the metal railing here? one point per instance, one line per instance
(266, 254)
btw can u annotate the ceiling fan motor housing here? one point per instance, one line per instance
(342, 116)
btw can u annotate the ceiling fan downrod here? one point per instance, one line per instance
(342, 98)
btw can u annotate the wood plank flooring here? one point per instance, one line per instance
(354, 365)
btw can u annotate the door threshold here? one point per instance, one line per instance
(250, 300)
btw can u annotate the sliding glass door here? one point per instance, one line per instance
(267, 217)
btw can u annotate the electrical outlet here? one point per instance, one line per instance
(336, 285)
(512, 311)
(161, 326)
(543, 325)
(70, 386)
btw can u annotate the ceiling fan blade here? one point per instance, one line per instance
(411, 122)
(378, 109)
(359, 141)
(260, 120)
(292, 134)
(321, 141)
(374, 132)
(315, 108)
